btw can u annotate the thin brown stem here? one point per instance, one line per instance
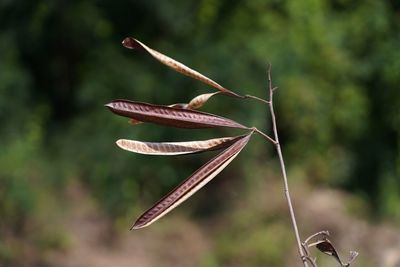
(257, 98)
(283, 169)
(312, 261)
(265, 136)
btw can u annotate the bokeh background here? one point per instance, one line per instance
(68, 194)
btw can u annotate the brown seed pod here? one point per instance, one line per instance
(192, 184)
(133, 43)
(169, 116)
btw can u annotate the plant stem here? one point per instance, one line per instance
(265, 136)
(256, 98)
(282, 163)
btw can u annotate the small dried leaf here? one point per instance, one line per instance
(200, 100)
(192, 184)
(175, 148)
(132, 43)
(164, 115)
(326, 247)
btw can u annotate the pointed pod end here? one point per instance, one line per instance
(120, 143)
(137, 226)
(141, 223)
(131, 43)
(110, 106)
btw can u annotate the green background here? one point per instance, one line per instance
(337, 66)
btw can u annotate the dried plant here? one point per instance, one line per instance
(186, 116)
(325, 246)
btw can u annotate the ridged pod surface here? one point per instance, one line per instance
(195, 103)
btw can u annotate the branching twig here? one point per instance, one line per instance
(271, 89)
(257, 98)
(265, 136)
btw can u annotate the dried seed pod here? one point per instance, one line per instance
(200, 100)
(176, 148)
(132, 43)
(192, 184)
(169, 116)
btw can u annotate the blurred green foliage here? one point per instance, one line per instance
(336, 62)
